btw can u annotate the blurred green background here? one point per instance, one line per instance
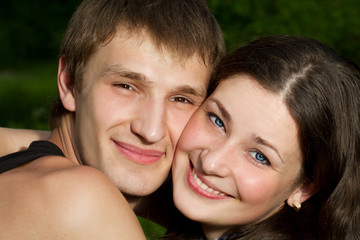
(31, 31)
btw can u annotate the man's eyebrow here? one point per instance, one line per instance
(261, 141)
(197, 92)
(222, 109)
(116, 70)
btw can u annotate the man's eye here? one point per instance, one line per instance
(180, 99)
(216, 120)
(124, 85)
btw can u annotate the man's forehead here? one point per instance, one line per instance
(164, 48)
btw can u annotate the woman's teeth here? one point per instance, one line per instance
(206, 187)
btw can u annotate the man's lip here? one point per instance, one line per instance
(200, 190)
(138, 155)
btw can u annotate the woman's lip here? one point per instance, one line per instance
(203, 189)
(138, 155)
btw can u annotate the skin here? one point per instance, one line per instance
(55, 198)
(148, 113)
(132, 110)
(13, 140)
(125, 122)
(242, 143)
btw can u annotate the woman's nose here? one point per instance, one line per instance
(215, 161)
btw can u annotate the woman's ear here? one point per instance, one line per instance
(66, 86)
(301, 194)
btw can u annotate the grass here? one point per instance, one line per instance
(26, 95)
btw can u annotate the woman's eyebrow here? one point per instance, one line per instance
(261, 141)
(222, 109)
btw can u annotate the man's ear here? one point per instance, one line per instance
(301, 194)
(66, 86)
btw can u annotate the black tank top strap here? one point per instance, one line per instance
(36, 150)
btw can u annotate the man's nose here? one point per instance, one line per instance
(150, 122)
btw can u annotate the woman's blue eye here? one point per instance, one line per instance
(216, 120)
(259, 157)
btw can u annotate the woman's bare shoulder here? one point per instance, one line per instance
(72, 201)
(97, 206)
(13, 140)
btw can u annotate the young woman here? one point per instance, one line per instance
(273, 153)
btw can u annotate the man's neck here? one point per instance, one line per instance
(135, 202)
(63, 137)
(157, 206)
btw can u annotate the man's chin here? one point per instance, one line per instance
(134, 192)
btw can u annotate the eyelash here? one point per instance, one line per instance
(265, 160)
(124, 86)
(213, 118)
(174, 99)
(183, 100)
(215, 122)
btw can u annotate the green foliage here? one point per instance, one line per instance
(32, 31)
(333, 22)
(152, 230)
(26, 95)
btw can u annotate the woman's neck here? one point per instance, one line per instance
(213, 232)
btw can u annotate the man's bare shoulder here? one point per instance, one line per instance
(52, 197)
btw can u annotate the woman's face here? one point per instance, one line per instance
(238, 159)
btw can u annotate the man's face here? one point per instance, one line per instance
(132, 109)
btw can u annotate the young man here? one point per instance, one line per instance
(131, 73)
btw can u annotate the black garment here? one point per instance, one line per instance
(36, 150)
